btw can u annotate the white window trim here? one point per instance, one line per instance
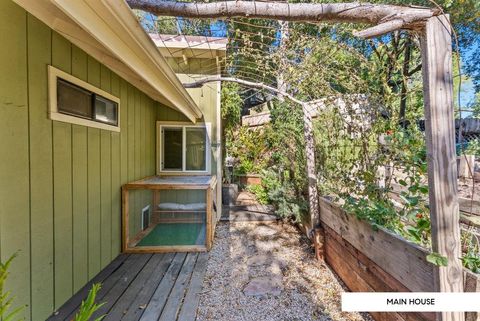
(54, 114)
(184, 126)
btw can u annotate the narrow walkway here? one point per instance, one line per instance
(145, 287)
(247, 209)
(267, 271)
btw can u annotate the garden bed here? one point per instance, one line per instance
(377, 260)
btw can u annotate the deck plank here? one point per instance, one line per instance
(145, 287)
(190, 303)
(121, 286)
(74, 302)
(110, 282)
(139, 303)
(177, 294)
(159, 298)
(143, 278)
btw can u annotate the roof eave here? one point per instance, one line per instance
(121, 44)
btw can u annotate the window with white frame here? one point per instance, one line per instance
(75, 101)
(183, 148)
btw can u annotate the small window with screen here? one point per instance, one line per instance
(75, 101)
(106, 110)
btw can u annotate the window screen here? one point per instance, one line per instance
(196, 149)
(172, 143)
(73, 100)
(106, 110)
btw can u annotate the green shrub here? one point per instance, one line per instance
(89, 306)
(473, 148)
(7, 313)
(260, 193)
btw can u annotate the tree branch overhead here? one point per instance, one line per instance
(384, 18)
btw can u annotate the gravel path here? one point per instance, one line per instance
(275, 257)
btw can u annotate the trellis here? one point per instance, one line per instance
(436, 50)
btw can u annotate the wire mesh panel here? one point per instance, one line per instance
(168, 214)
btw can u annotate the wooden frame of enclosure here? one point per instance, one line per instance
(143, 184)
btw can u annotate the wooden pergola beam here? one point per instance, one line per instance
(384, 18)
(436, 42)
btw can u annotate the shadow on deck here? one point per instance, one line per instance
(145, 287)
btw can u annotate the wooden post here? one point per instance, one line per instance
(125, 209)
(442, 170)
(208, 213)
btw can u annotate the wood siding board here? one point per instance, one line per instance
(80, 183)
(62, 186)
(14, 158)
(105, 180)
(131, 133)
(106, 198)
(124, 130)
(116, 179)
(41, 174)
(94, 172)
(62, 182)
(93, 201)
(80, 206)
(137, 197)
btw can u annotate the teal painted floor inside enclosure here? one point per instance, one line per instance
(175, 234)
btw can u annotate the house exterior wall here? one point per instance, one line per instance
(60, 206)
(207, 98)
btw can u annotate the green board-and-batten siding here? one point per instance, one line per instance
(60, 183)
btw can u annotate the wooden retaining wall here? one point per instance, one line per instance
(380, 261)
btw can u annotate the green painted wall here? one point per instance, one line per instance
(206, 98)
(60, 183)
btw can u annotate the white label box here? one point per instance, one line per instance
(410, 302)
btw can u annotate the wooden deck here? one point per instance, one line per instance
(145, 287)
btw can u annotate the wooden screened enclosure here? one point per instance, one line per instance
(169, 214)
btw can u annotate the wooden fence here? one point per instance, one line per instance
(377, 260)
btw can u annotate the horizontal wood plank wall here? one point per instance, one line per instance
(403, 260)
(60, 183)
(368, 260)
(361, 274)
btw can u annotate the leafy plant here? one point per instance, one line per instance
(6, 301)
(88, 307)
(437, 259)
(232, 104)
(473, 148)
(471, 256)
(260, 193)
